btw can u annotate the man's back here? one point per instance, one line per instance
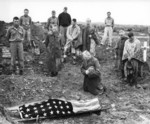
(64, 19)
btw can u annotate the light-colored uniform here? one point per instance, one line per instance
(108, 31)
(72, 38)
(51, 23)
(16, 37)
(25, 22)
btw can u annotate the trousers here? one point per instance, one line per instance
(63, 31)
(108, 31)
(16, 49)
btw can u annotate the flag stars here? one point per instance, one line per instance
(34, 108)
(21, 111)
(45, 114)
(21, 108)
(28, 109)
(59, 102)
(56, 106)
(51, 112)
(57, 112)
(48, 104)
(43, 110)
(63, 112)
(54, 102)
(50, 107)
(41, 106)
(26, 116)
(67, 106)
(61, 107)
(36, 111)
(69, 112)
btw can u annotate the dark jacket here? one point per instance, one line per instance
(87, 31)
(92, 81)
(120, 47)
(64, 19)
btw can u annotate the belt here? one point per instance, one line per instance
(108, 26)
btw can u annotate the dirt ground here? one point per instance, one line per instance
(126, 105)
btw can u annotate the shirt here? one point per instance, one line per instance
(73, 32)
(109, 22)
(51, 22)
(15, 34)
(25, 21)
(131, 48)
(64, 19)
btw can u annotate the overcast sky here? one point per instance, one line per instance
(123, 11)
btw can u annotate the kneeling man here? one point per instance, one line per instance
(92, 76)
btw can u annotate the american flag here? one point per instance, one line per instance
(56, 108)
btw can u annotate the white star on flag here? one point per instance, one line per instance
(67, 106)
(51, 112)
(41, 106)
(61, 107)
(28, 109)
(50, 107)
(63, 112)
(45, 114)
(57, 112)
(43, 110)
(69, 112)
(48, 104)
(59, 102)
(56, 106)
(34, 108)
(54, 102)
(26, 115)
(36, 111)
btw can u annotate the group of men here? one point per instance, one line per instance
(63, 35)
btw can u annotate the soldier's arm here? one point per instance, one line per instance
(20, 21)
(113, 23)
(69, 20)
(68, 34)
(77, 34)
(95, 38)
(97, 65)
(8, 34)
(59, 18)
(47, 24)
(23, 35)
(83, 69)
(30, 21)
